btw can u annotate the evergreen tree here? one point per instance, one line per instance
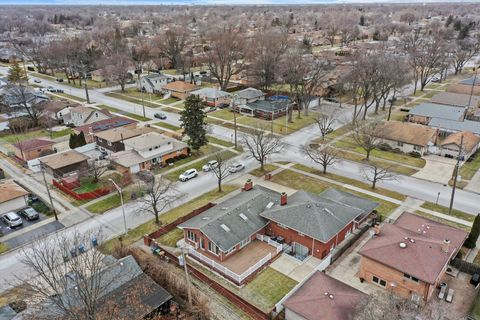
(193, 122)
(16, 74)
(77, 140)
(72, 140)
(362, 20)
(81, 141)
(474, 233)
(449, 21)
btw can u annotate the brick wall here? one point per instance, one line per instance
(404, 287)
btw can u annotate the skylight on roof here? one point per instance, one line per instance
(224, 227)
(244, 217)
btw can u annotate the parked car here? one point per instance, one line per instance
(332, 99)
(210, 109)
(37, 81)
(29, 213)
(32, 198)
(435, 79)
(236, 167)
(223, 105)
(160, 115)
(52, 89)
(210, 165)
(12, 219)
(187, 175)
(59, 80)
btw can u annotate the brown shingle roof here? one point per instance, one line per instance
(10, 190)
(33, 144)
(105, 124)
(410, 133)
(180, 86)
(422, 256)
(322, 297)
(63, 159)
(118, 134)
(470, 140)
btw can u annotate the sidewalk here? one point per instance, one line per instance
(474, 184)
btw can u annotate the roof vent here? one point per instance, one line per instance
(224, 227)
(244, 217)
(331, 297)
(205, 218)
(309, 205)
(403, 245)
(269, 205)
(326, 293)
(412, 240)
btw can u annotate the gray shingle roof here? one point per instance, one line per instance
(455, 126)
(320, 216)
(250, 204)
(269, 106)
(211, 93)
(249, 93)
(433, 110)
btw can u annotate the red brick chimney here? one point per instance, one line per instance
(283, 199)
(248, 185)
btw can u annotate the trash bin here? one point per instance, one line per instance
(81, 248)
(94, 242)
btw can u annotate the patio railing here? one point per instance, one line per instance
(224, 270)
(268, 240)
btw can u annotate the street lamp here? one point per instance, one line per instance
(121, 201)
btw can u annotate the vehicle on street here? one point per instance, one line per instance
(187, 175)
(210, 165)
(52, 89)
(435, 79)
(59, 80)
(160, 115)
(210, 109)
(12, 220)
(29, 213)
(32, 198)
(37, 81)
(236, 167)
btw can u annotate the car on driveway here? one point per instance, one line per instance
(160, 115)
(210, 165)
(37, 81)
(187, 175)
(12, 220)
(29, 213)
(236, 167)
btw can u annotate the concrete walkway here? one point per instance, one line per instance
(474, 184)
(410, 204)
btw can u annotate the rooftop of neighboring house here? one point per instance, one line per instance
(55, 105)
(152, 140)
(240, 215)
(470, 140)
(320, 216)
(118, 134)
(105, 124)
(10, 190)
(268, 105)
(415, 245)
(405, 132)
(335, 299)
(456, 99)
(249, 93)
(127, 158)
(60, 160)
(153, 76)
(454, 126)
(211, 93)
(32, 144)
(180, 86)
(441, 111)
(82, 110)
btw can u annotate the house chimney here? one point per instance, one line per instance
(283, 199)
(446, 245)
(248, 185)
(377, 228)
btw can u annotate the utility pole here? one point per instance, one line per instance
(232, 106)
(48, 191)
(189, 290)
(455, 176)
(473, 86)
(143, 105)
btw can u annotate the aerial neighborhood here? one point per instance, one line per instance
(270, 161)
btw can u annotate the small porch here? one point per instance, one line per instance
(293, 249)
(241, 264)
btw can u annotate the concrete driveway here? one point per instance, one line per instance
(295, 269)
(437, 169)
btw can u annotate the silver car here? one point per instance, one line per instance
(236, 167)
(212, 164)
(12, 220)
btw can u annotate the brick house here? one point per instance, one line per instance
(33, 148)
(89, 130)
(451, 144)
(213, 97)
(411, 256)
(179, 89)
(304, 225)
(60, 164)
(113, 140)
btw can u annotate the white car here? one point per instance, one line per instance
(210, 165)
(236, 167)
(187, 175)
(12, 220)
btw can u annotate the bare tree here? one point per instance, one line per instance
(464, 51)
(375, 173)
(172, 43)
(325, 122)
(221, 169)
(22, 97)
(366, 137)
(323, 155)
(224, 56)
(160, 194)
(116, 68)
(67, 284)
(139, 53)
(97, 169)
(261, 144)
(386, 305)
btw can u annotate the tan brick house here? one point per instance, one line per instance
(33, 148)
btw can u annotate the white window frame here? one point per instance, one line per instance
(231, 250)
(191, 236)
(216, 249)
(378, 283)
(245, 242)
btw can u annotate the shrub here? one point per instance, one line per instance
(415, 154)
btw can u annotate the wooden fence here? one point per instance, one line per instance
(81, 196)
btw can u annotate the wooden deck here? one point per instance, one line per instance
(248, 256)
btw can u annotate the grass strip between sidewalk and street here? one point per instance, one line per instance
(455, 213)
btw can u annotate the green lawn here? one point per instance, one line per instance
(456, 213)
(109, 202)
(167, 126)
(173, 176)
(266, 169)
(137, 233)
(469, 168)
(220, 142)
(127, 114)
(3, 247)
(171, 238)
(279, 123)
(476, 307)
(40, 206)
(61, 133)
(129, 98)
(87, 186)
(168, 100)
(69, 96)
(12, 138)
(225, 114)
(334, 134)
(268, 287)
(299, 181)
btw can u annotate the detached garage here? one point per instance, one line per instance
(12, 196)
